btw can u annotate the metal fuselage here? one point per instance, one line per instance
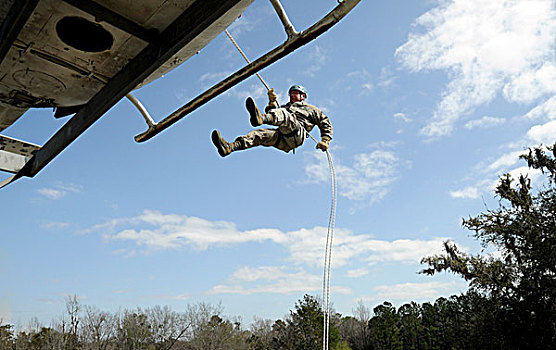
(67, 51)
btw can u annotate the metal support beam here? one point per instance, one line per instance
(18, 15)
(11, 162)
(105, 14)
(288, 26)
(135, 101)
(192, 22)
(266, 60)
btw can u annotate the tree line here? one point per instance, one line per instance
(510, 303)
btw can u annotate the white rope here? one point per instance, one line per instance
(330, 231)
(246, 59)
(328, 253)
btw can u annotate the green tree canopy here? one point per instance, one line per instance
(521, 277)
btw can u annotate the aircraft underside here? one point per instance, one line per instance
(67, 51)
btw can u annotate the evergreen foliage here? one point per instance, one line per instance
(519, 281)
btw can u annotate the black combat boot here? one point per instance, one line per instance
(224, 147)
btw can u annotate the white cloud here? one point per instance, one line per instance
(268, 279)
(505, 164)
(403, 250)
(316, 168)
(173, 231)
(272, 279)
(532, 84)
(505, 160)
(402, 117)
(153, 230)
(545, 109)
(491, 47)
(358, 82)
(209, 79)
(60, 190)
(387, 78)
(484, 122)
(315, 59)
(306, 246)
(405, 292)
(532, 174)
(257, 91)
(361, 78)
(126, 253)
(489, 184)
(52, 193)
(357, 273)
(468, 192)
(244, 24)
(369, 177)
(367, 88)
(249, 274)
(545, 133)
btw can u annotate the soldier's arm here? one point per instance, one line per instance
(324, 124)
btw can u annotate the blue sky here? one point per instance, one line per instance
(430, 102)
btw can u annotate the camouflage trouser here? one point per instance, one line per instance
(289, 135)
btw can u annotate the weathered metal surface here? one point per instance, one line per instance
(5, 6)
(135, 101)
(12, 23)
(292, 43)
(104, 14)
(288, 26)
(40, 69)
(203, 17)
(15, 153)
(15, 146)
(9, 114)
(12, 162)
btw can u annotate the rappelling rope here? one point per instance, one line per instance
(247, 59)
(330, 231)
(328, 251)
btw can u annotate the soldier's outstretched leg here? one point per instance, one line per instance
(256, 117)
(224, 147)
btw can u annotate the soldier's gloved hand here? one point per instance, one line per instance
(323, 144)
(272, 96)
(272, 99)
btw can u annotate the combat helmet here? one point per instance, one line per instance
(298, 88)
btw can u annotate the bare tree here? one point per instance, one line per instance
(261, 333)
(210, 331)
(167, 326)
(98, 328)
(134, 331)
(362, 313)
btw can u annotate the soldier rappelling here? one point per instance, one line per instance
(294, 120)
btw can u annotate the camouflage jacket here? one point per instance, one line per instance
(309, 116)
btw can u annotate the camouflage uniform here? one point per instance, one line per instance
(294, 121)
